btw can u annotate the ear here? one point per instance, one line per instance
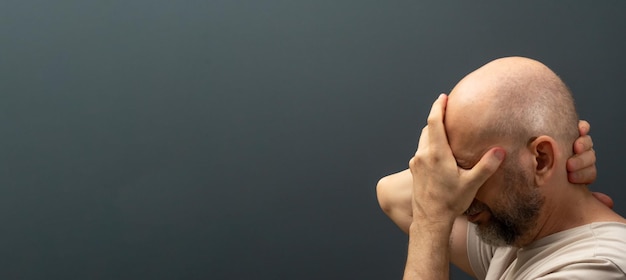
(544, 151)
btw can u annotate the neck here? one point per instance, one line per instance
(569, 207)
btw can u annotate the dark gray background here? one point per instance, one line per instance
(244, 139)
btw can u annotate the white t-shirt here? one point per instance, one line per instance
(595, 251)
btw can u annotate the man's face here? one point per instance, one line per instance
(506, 206)
(514, 210)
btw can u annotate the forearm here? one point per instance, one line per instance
(429, 251)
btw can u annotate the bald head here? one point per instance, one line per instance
(511, 99)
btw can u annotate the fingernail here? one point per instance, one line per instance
(499, 154)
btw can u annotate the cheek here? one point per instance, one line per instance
(491, 190)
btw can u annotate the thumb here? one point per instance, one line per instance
(605, 199)
(487, 165)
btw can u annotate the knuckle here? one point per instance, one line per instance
(582, 142)
(432, 120)
(415, 161)
(420, 157)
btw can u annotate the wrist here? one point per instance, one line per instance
(443, 219)
(439, 227)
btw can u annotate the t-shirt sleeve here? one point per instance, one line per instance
(478, 252)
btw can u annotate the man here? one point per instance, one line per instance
(395, 191)
(500, 159)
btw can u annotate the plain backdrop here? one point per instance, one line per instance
(151, 139)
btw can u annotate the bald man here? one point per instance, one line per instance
(491, 190)
(394, 191)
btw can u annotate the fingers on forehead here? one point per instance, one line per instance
(437, 133)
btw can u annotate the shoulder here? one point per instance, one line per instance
(610, 241)
(603, 239)
(596, 268)
(597, 249)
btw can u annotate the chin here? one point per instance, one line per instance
(498, 233)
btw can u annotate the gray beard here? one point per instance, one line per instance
(515, 215)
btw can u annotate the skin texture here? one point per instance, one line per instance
(395, 192)
(520, 105)
(458, 164)
(441, 192)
